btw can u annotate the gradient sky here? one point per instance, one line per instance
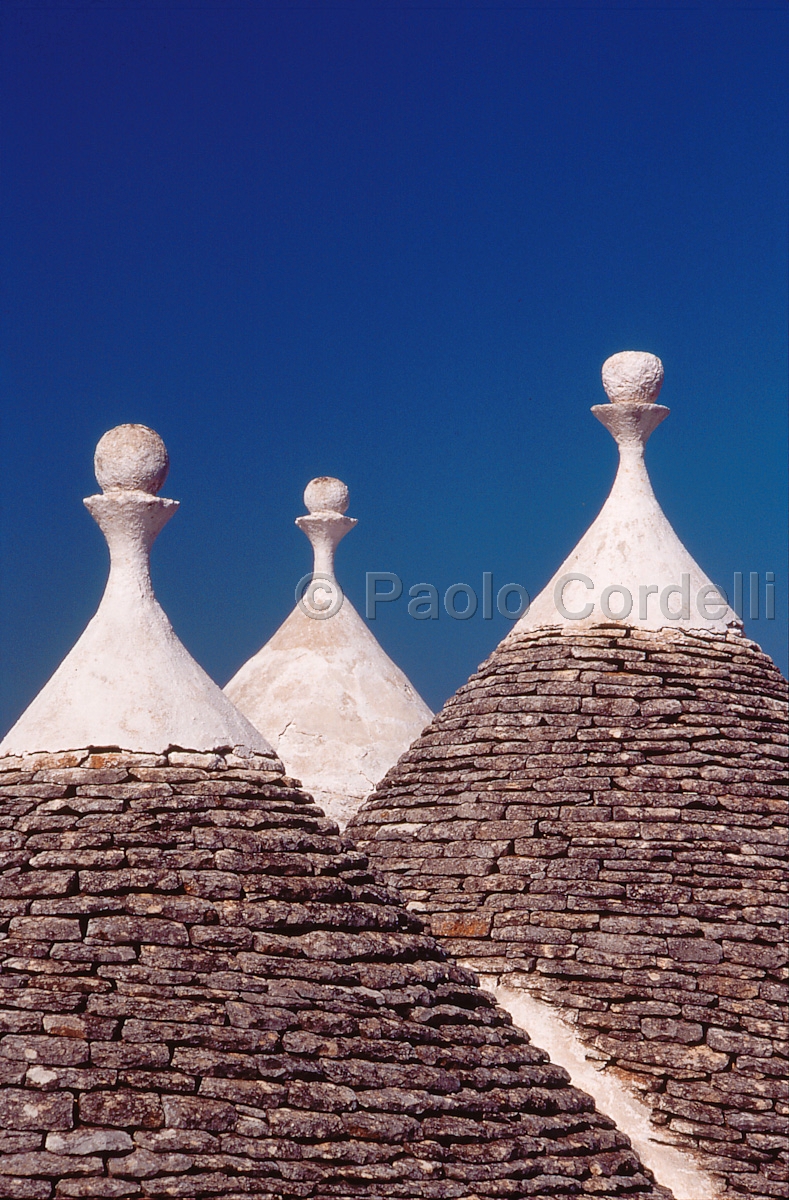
(392, 243)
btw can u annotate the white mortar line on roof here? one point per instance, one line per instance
(673, 1168)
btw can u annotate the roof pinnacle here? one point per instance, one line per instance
(131, 458)
(326, 500)
(129, 683)
(131, 465)
(326, 494)
(632, 377)
(632, 380)
(322, 689)
(630, 549)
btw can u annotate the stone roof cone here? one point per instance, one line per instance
(323, 691)
(596, 824)
(129, 683)
(204, 992)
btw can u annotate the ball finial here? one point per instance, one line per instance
(131, 458)
(632, 377)
(325, 494)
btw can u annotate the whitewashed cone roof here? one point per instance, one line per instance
(323, 691)
(129, 683)
(631, 544)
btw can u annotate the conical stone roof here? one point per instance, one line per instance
(204, 992)
(596, 823)
(322, 690)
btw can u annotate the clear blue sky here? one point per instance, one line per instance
(392, 243)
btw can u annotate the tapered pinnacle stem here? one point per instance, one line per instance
(326, 526)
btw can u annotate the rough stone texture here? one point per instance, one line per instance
(131, 457)
(632, 376)
(206, 993)
(600, 818)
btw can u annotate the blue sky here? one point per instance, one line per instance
(392, 243)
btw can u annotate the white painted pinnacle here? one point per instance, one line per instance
(326, 494)
(633, 568)
(129, 682)
(632, 377)
(326, 500)
(323, 691)
(131, 458)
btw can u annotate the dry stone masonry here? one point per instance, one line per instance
(597, 821)
(601, 819)
(204, 992)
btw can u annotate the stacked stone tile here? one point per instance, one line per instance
(602, 820)
(598, 819)
(206, 993)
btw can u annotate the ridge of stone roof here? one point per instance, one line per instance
(630, 566)
(322, 690)
(129, 682)
(204, 992)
